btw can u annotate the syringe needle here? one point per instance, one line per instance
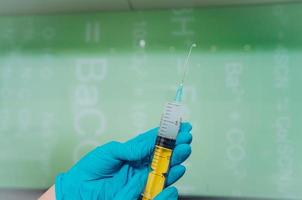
(185, 66)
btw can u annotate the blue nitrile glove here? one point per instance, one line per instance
(169, 193)
(119, 170)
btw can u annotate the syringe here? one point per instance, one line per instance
(165, 141)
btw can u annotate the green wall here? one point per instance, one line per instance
(72, 82)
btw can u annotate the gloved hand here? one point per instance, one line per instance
(119, 170)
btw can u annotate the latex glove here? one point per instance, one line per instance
(119, 170)
(169, 193)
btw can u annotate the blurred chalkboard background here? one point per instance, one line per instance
(73, 81)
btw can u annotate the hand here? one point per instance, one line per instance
(169, 193)
(119, 170)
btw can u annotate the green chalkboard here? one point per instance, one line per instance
(71, 82)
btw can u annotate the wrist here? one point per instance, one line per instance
(49, 194)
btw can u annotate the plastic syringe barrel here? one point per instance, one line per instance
(165, 143)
